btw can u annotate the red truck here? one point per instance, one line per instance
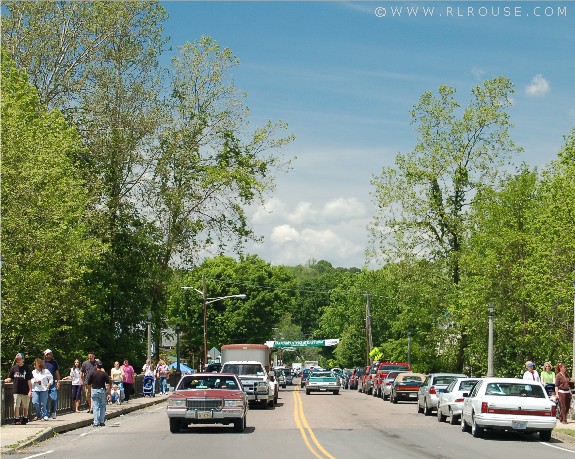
(381, 373)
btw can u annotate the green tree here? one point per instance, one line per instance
(423, 200)
(46, 246)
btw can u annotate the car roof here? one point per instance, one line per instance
(409, 373)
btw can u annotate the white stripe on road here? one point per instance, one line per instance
(39, 454)
(558, 447)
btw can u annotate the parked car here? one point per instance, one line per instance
(280, 377)
(303, 376)
(508, 404)
(208, 398)
(387, 383)
(405, 386)
(371, 371)
(450, 402)
(289, 376)
(434, 384)
(382, 371)
(362, 377)
(354, 378)
(322, 381)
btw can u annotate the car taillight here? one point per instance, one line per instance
(554, 410)
(484, 407)
(459, 400)
(388, 384)
(432, 390)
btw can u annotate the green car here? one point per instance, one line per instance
(322, 381)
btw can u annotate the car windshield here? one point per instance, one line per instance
(207, 382)
(443, 380)
(244, 369)
(393, 367)
(321, 374)
(515, 390)
(412, 379)
(467, 385)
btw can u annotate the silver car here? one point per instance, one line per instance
(387, 383)
(450, 402)
(434, 384)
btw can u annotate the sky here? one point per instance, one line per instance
(344, 77)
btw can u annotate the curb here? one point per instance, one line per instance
(49, 432)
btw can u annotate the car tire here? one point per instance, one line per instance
(393, 400)
(476, 431)
(384, 397)
(335, 392)
(240, 424)
(464, 426)
(419, 408)
(452, 418)
(545, 435)
(307, 392)
(175, 425)
(426, 409)
(440, 416)
(265, 405)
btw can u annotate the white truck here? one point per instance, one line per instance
(251, 363)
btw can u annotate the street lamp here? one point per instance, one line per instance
(178, 330)
(207, 301)
(490, 342)
(149, 335)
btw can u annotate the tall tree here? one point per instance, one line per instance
(423, 200)
(46, 246)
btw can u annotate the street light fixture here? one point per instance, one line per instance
(207, 301)
(490, 342)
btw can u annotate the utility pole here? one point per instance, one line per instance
(368, 336)
(205, 322)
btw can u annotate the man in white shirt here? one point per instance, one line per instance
(531, 373)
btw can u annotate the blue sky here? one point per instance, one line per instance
(345, 80)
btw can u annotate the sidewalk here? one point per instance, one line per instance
(13, 438)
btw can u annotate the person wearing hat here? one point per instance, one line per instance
(52, 366)
(21, 375)
(531, 373)
(100, 382)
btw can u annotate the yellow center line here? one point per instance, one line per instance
(303, 426)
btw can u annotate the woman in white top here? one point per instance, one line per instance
(117, 376)
(76, 377)
(41, 380)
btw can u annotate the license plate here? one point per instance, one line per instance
(519, 425)
(204, 414)
(413, 395)
(322, 388)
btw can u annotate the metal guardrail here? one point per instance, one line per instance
(64, 398)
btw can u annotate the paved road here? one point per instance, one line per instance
(322, 426)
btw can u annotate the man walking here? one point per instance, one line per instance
(88, 367)
(100, 384)
(21, 375)
(52, 366)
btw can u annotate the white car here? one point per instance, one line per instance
(511, 404)
(450, 402)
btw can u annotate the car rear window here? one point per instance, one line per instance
(515, 390)
(444, 380)
(412, 379)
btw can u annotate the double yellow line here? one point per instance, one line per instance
(305, 430)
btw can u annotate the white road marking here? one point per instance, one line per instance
(39, 454)
(558, 447)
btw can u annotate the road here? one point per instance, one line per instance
(321, 426)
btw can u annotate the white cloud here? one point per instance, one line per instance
(539, 86)
(478, 72)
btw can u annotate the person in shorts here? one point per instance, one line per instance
(21, 375)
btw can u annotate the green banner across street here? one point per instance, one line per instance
(303, 343)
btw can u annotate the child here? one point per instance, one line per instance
(115, 394)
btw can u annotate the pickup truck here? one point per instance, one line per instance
(255, 380)
(381, 373)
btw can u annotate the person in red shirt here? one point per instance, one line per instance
(128, 380)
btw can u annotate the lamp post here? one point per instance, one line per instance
(178, 329)
(149, 335)
(205, 302)
(490, 342)
(409, 347)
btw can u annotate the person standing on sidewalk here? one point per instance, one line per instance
(52, 366)
(76, 377)
(88, 367)
(41, 381)
(100, 383)
(163, 372)
(128, 380)
(563, 391)
(21, 375)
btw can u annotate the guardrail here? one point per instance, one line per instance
(64, 398)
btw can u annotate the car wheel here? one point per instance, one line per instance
(240, 424)
(335, 392)
(545, 435)
(264, 404)
(476, 431)
(271, 403)
(175, 425)
(464, 426)
(419, 408)
(426, 409)
(440, 416)
(384, 397)
(452, 418)
(307, 392)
